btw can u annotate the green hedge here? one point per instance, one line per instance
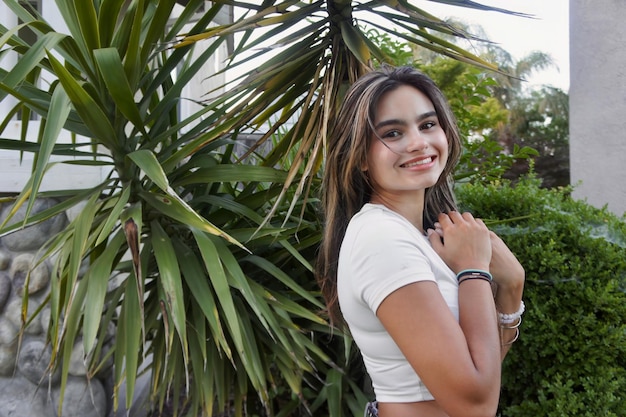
(570, 359)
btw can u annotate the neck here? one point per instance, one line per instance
(409, 207)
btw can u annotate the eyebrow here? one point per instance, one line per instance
(403, 122)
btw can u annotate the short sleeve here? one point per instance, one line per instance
(386, 256)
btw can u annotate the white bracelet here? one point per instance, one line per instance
(513, 317)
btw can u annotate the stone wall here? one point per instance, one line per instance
(27, 387)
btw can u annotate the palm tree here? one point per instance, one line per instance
(301, 69)
(199, 255)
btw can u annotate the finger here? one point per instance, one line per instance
(455, 218)
(468, 216)
(435, 240)
(444, 220)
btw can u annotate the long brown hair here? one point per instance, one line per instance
(346, 187)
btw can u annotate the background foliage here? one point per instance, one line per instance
(570, 359)
(540, 120)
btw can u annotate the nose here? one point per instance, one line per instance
(416, 141)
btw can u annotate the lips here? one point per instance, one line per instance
(418, 162)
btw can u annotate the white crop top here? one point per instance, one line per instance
(381, 252)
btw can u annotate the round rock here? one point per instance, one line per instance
(8, 354)
(8, 332)
(25, 266)
(77, 365)
(82, 398)
(33, 361)
(13, 312)
(20, 398)
(33, 237)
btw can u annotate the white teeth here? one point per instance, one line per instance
(420, 162)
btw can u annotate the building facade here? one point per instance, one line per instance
(598, 102)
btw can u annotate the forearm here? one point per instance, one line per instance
(508, 296)
(478, 320)
(508, 300)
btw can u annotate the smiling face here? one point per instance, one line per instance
(409, 150)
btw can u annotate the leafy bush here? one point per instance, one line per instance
(570, 359)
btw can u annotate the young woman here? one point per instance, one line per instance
(432, 298)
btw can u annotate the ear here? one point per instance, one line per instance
(364, 166)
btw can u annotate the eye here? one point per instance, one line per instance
(428, 125)
(392, 135)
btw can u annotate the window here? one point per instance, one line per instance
(26, 33)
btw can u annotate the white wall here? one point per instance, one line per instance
(598, 102)
(9, 20)
(15, 169)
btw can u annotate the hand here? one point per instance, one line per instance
(504, 266)
(467, 244)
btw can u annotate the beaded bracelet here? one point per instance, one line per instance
(513, 317)
(474, 273)
(512, 326)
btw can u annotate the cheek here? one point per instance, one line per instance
(444, 148)
(376, 156)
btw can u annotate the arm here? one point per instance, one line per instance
(458, 361)
(508, 275)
